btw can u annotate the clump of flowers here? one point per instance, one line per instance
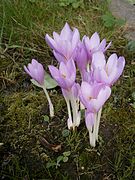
(97, 76)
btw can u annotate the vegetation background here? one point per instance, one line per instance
(33, 146)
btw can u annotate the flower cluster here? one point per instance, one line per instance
(97, 75)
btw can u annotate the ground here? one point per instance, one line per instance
(35, 146)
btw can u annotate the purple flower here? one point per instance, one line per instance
(93, 96)
(64, 44)
(109, 72)
(93, 44)
(65, 75)
(36, 71)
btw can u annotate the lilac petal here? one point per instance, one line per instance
(64, 48)
(75, 90)
(102, 45)
(68, 50)
(98, 60)
(69, 83)
(71, 69)
(103, 77)
(94, 40)
(112, 63)
(112, 76)
(97, 75)
(96, 89)
(56, 37)
(59, 57)
(63, 70)
(27, 71)
(41, 74)
(54, 72)
(87, 76)
(107, 47)
(120, 67)
(89, 120)
(103, 95)
(83, 99)
(81, 58)
(34, 63)
(86, 90)
(66, 32)
(31, 70)
(50, 42)
(86, 42)
(75, 38)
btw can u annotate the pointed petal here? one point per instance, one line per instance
(98, 60)
(66, 32)
(63, 70)
(59, 57)
(50, 42)
(112, 63)
(107, 47)
(27, 71)
(71, 68)
(86, 90)
(120, 67)
(56, 37)
(102, 45)
(54, 71)
(35, 63)
(75, 38)
(103, 95)
(94, 40)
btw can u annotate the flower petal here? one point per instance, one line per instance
(50, 42)
(75, 38)
(89, 120)
(98, 60)
(112, 63)
(94, 41)
(103, 95)
(66, 33)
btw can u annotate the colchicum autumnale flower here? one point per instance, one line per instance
(64, 44)
(65, 77)
(37, 72)
(93, 96)
(107, 72)
(93, 44)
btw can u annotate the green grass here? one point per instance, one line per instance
(23, 129)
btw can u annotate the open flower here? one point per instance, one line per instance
(64, 44)
(93, 44)
(107, 73)
(36, 71)
(93, 96)
(65, 75)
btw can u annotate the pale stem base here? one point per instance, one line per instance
(51, 108)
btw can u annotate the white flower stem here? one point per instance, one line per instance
(69, 108)
(76, 113)
(98, 123)
(92, 133)
(49, 101)
(92, 138)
